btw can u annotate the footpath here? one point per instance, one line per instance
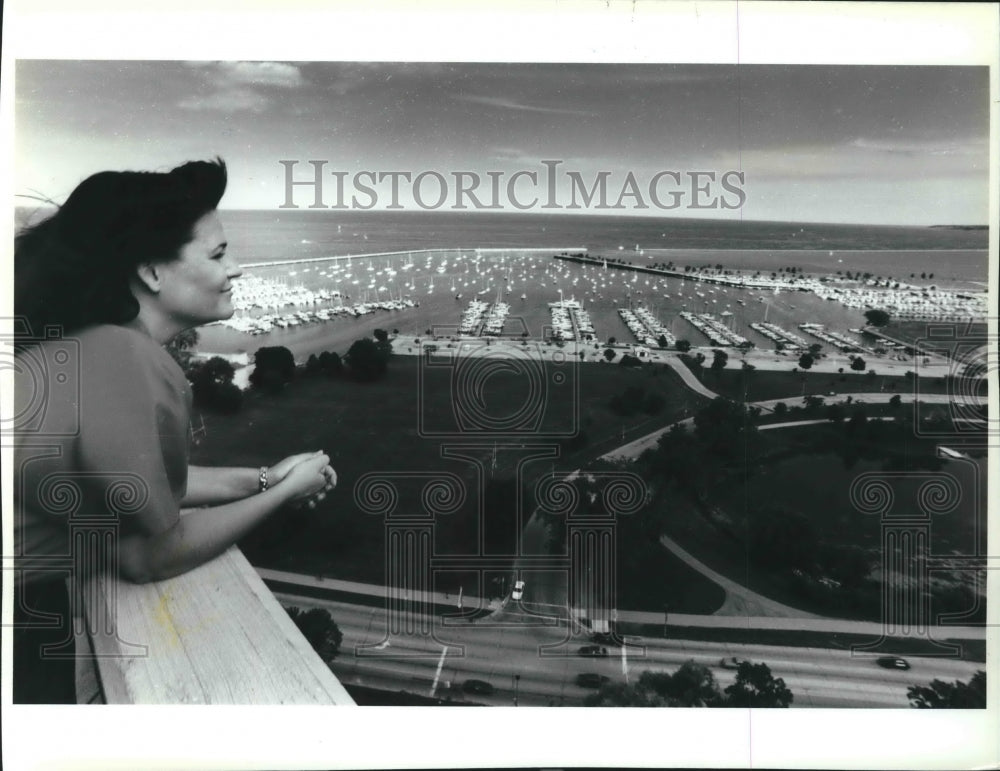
(637, 447)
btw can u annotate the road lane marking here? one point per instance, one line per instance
(437, 674)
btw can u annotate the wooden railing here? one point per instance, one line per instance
(215, 635)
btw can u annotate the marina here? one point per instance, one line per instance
(316, 305)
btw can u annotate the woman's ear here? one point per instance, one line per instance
(150, 276)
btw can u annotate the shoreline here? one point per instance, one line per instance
(765, 360)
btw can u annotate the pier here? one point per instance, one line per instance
(838, 340)
(404, 252)
(788, 340)
(717, 332)
(645, 327)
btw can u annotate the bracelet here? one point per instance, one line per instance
(262, 479)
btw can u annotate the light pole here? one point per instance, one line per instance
(666, 609)
(517, 680)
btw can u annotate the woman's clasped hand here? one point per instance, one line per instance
(308, 477)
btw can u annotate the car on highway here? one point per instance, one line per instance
(479, 687)
(892, 662)
(591, 680)
(731, 662)
(593, 650)
(518, 592)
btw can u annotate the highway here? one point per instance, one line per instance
(515, 642)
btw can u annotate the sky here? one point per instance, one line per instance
(900, 145)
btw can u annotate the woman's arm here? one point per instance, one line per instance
(204, 534)
(211, 485)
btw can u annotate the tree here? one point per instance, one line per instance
(228, 399)
(367, 360)
(622, 695)
(957, 695)
(755, 686)
(330, 363)
(683, 345)
(781, 409)
(858, 364)
(877, 318)
(612, 340)
(719, 360)
(319, 628)
(274, 368)
(381, 336)
(812, 402)
(693, 685)
(662, 341)
(806, 360)
(181, 346)
(723, 429)
(609, 354)
(214, 371)
(212, 385)
(895, 401)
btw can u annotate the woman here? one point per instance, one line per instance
(129, 260)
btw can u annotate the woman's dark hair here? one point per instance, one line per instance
(74, 268)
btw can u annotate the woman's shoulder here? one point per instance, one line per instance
(113, 333)
(112, 348)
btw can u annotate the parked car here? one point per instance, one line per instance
(591, 680)
(892, 662)
(592, 650)
(480, 687)
(731, 662)
(518, 592)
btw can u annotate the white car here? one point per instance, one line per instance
(518, 592)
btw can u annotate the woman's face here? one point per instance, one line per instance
(196, 288)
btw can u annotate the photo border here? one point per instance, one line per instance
(294, 737)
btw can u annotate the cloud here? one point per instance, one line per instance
(262, 73)
(510, 104)
(974, 146)
(236, 74)
(232, 100)
(867, 161)
(241, 86)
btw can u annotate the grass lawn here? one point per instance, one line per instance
(649, 576)
(804, 472)
(761, 384)
(376, 427)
